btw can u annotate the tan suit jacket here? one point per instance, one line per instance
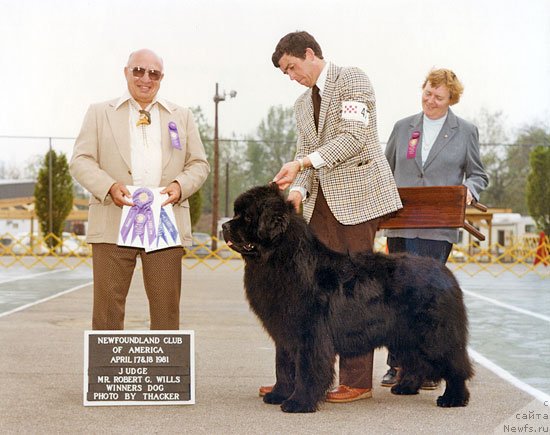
(356, 181)
(101, 157)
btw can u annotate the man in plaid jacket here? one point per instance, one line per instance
(340, 172)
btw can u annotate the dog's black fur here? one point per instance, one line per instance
(316, 303)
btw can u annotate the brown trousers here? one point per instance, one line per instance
(354, 372)
(113, 268)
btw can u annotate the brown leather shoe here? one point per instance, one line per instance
(264, 389)
(430, 385)
(344, 394)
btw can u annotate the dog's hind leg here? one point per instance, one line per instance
(284, 370)
(457, 369)
(412, 372)
(409, 383)
(456, 393)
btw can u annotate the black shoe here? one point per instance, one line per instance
(390, 378)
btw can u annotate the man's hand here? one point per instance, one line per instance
(120, 194)
(287, 174)
(295, 198)
(174, 193)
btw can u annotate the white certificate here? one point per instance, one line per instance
(147, 224)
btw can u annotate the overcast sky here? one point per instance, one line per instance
(59, 56)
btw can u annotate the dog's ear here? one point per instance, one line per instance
(274, 187)
(274, 220)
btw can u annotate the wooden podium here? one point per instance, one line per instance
(432, 207)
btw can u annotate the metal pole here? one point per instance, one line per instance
(215, 189)
(50, 190)
(226, 189)
(216, 184)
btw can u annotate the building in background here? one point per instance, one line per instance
(16, 206)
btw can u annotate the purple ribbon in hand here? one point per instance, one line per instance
(413, 143)
(140, 217)
(174, 136)
(166, 225)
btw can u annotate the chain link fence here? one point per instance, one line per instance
(526, 255)
(521, 255)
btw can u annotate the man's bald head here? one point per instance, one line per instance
(145, 52)
(144, 72)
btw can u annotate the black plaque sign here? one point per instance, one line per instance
(139, 368)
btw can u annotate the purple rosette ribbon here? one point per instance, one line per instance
(413, 144)
(174, 136)
(140, 217)
(166, 226)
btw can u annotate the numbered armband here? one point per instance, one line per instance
(355, 111)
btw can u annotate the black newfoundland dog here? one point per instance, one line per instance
(316, 303)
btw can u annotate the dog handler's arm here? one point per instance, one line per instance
(287, 174)
(295, 198)
(289, 171)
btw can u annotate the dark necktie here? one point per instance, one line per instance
(316, 98)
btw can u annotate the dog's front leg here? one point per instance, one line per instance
(284, 370)
(314, 375)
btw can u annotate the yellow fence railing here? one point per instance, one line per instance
(526, 255)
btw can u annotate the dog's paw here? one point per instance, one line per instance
(274, 398)
(405, 390)
(450, 402)
(295, 406)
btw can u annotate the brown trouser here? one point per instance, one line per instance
(113, 268)
(354, 372)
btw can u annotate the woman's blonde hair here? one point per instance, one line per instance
(446, 77)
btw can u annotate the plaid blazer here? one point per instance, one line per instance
(357, 181)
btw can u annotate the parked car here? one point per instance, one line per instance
(5, 242)
(22, 245)
(201, 247)
(74, 245)
(71, 245)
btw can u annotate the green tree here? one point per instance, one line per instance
(232, 165)
(518, 160)
(538, 187)
(17, 172)
(273, 145)
(195, 207)
(61, 195)
(233, 173)
(247, 163)
(507, 164)
(493, 136)
(201, 196)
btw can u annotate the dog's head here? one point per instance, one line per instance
(262, 216)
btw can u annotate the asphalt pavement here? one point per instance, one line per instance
(41, 377)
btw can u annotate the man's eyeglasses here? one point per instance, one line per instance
(138, 72)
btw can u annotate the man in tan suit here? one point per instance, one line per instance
(142, 140)
(340, 173)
